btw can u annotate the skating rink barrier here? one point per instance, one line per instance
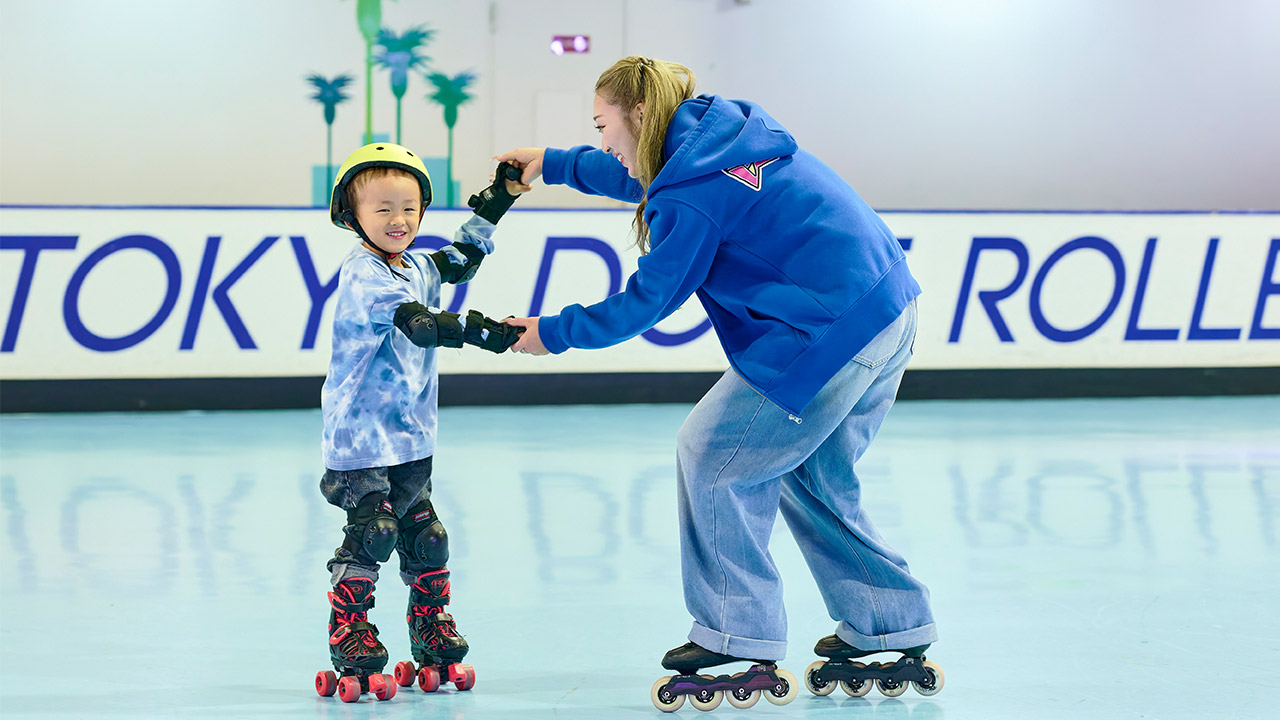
(167, 308)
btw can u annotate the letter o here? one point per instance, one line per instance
(71, 301)
(1117, 265)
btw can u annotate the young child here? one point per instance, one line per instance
(379, 405)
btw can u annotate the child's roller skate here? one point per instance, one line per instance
(357, 655)
(706, 691)
(857, 678)
(433, 637)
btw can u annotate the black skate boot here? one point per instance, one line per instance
(743, 689)
(856, 678)
(433, 637)
(357, 654)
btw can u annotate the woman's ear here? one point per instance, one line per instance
(639, 112)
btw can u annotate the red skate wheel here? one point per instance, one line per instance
(468, 679)
(383, 687)
(428, 679)
(349, 688)
(404, 673)
(326, 683)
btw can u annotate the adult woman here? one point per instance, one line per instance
(811, 298)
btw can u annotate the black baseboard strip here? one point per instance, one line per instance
(23, 396)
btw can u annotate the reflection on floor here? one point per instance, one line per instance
(1099, 559)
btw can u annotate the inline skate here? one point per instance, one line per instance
(705, 692)
(433, 636)
(357, 655)
(856, 678)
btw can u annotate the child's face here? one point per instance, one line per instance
(389, 209)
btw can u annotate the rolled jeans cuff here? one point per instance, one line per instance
(747, 648)
(923, 635)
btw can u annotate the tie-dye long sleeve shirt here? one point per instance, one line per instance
(379, 398)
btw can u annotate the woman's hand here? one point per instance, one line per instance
(527, 159)
(529, 343)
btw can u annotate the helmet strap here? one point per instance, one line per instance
(387, 257)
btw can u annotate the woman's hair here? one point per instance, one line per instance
(661, 86)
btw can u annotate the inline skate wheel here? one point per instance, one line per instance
(816, 686)
(464, 678)
(783, 691)
(326, 683)
(665, 701)
(891, 688)
(405, 673)
(428, 679)
(856, 688)
(936, 680)
(706, 700)
(742, 698)
(349, 689)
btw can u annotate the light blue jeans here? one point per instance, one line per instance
(740, 458)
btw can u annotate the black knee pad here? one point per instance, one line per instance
(372, 530)
(423, 540)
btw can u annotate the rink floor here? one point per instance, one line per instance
(1088, 559)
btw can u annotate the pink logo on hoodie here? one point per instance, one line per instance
(750, 174)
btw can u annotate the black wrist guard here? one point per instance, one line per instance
(501, 335)
(457, 274)
(494, 201)
(427, 329)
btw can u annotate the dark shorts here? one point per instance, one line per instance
(403, 485)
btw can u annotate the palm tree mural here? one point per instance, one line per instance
(369, 18)
(399, 54)
(451, 92)
(329, 93)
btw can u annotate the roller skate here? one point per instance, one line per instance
(856, 678)
(705, 692)
(437, 648)
(358, 657)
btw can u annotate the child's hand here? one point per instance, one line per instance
(515, 187)
(529, 343)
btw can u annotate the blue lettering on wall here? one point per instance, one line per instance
(1269, 287)
(989, 298)
(319, 293)
(220, 298)
(71, 301)
(590, 244)
(1117, 265)
(30, 245)
(1133, 332)
(1196, 332)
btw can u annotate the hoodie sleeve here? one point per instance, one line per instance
(684, 243)
(590, 170)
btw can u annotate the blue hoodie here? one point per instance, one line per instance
(795, 271)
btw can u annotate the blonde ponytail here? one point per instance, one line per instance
(661, 86)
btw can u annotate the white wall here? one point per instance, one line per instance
(1054, 104)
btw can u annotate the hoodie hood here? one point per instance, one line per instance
(709, 134)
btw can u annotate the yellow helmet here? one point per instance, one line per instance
(369, 156)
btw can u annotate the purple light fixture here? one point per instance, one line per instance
(561, 44)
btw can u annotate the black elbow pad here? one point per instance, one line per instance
(427, 329)
(457, 274)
